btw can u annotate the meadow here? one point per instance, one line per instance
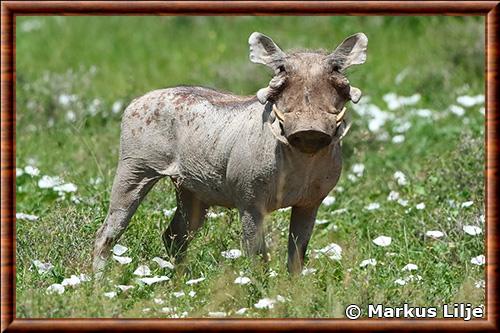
(405, 223)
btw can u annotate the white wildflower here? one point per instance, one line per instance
(110, 294)
(373, 206)
(123, 287)
(410, 267)
(213, 215)
(241, 311)
(401, 282)
(195, 281)
(328, 200)
(71, 281)
(163, 263)
(192, 293)
(31, 170)
(281, 299)
(394, 101)
(400, 178)
(122, 260)
(393, 196)
(434, 234)
(352, 177)
(231, 254)
(155, 279)
(339, 189)
(65, 188)
(479, 260)
(402, 127)
(469, 101)
(285, 209)
(368, 262)
(398, 138)
(420, 206)
(321, 221)
(70, 116)
(55, 288)
(272, 273)
(358, 169)
(472, 230)
(333, 251)
(28, 217)
(403, 202)
(169, 212)
(242, 280)
(413, 278)
(480, 284)
(466, 204)
(117, 107)
(142, 270)
(382, 241)
(158, 301)
(19, 172)
(457, 110)
(168, 309)
(265, 303)
(42, 267)
(49, 182)
(308, 271)
(424, 113)
(178, 294)
(66, 100)
(339, 211)
(119, 249)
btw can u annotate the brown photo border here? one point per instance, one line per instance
(11, 9)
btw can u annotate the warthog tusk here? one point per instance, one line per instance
(347, 128)
(341, 114)
(340, 117)
(278, 113)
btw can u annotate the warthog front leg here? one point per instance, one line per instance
(188, 218)
(301, 227)
(253, 232)
(130, 186)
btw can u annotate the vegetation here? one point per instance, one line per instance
(75, 75)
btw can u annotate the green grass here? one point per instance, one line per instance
(102, 60)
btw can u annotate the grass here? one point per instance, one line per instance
(106, 61)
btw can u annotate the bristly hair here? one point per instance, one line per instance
(319, 51)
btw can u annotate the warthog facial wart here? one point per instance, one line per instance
(280, 148)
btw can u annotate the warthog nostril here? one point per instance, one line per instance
(309, 141)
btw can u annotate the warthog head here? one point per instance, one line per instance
(309, 89)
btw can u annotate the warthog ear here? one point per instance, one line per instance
(264, 51)
(352, 51)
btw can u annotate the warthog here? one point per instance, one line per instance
(277, 149)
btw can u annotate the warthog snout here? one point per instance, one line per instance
(306, 131)
(309, 140)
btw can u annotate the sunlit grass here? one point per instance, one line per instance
(76, 74)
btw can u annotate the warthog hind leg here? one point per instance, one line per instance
(188, 218)
(130, 186)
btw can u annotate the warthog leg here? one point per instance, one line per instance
(188, 218)
(301, 227)
(253, 232)
(130, 186)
